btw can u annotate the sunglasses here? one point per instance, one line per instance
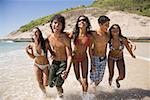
(84, 20)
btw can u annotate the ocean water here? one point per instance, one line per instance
(14, 70)
(8, 46)
(17, 78)
(12, 53)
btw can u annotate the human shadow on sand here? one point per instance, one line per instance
(122, 94)
(116, 94)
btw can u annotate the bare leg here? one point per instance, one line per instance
(121, 69)
(84, 68)
(77, 71)
(111, 70)
(45, 76)
(39, 75)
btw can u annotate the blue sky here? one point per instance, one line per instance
(16, 13)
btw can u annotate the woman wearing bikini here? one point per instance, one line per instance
(38, 51)
(116, 45)
(81, 41)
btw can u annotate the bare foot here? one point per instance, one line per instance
(93, 87)
(44, 91)
(110, 82)
(117, 84)
(97, 83)
(60, 91)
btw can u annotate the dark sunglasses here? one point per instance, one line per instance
(82, 20)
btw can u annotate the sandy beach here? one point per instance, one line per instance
(136, 85)
(17, 76)
(17, 81)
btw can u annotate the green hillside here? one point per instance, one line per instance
(44, 20)
(141, 7)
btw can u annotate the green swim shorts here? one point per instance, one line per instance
(55, 71)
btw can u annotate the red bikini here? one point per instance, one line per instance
(85, 42)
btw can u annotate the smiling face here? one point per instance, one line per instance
(35, 34)
(104, 27)
(82, 22)
(56, 26)
(115, 31)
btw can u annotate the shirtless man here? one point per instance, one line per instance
(98, 58)
(99, 50)
(61, 47)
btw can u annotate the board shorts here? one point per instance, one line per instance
(98, 65)
(55, 71)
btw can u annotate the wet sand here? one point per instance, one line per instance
(136, 85)
(18, 82)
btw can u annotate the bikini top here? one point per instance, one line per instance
(36, 54)
(85, 41)
(121, 47)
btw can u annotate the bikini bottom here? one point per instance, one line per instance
(42, 67)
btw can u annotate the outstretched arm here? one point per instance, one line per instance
(132, 45)
(126, 43)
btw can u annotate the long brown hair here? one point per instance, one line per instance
(76, 28)
(41, 40)
(120, 34)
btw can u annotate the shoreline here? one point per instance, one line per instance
(147, 40)
(17, 40)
